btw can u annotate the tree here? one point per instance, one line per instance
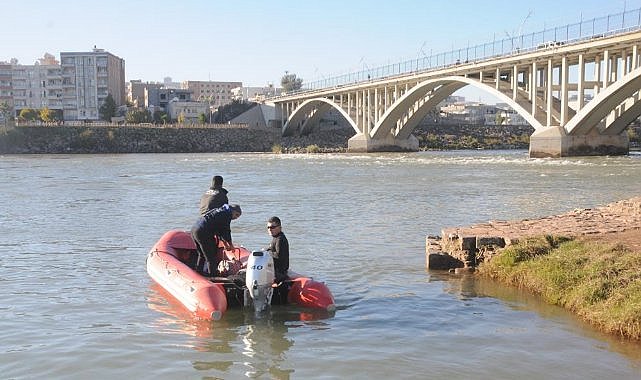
(160, 117)
(138, 115)
(47, 115)
(28, 114)
(108, 108)
(5, 111)
(289, 82)
(202, 118)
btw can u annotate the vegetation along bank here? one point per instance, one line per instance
(587, 260)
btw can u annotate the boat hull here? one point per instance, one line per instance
(197, 293)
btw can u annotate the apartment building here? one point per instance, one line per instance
(136, 90)
(5, 86)
(37, 86)
(188, 111)
(161, 96)
(87, 79)
(215, 93)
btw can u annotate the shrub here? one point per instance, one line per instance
(313, 148)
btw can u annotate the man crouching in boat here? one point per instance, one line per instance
(208, 230)
(279, 249)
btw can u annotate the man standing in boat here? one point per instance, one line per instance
(208, 230)
(279, 248)
(215, 197)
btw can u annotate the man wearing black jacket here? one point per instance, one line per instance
(279, 248)
(215, 197)
(208, 230)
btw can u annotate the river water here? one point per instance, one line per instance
(76, 301)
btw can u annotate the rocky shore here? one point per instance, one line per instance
(466, 247)
(158, 139)
(55, 139)
(330, 138)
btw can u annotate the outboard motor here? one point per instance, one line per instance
(259, 279)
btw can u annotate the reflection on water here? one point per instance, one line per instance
(469, 286)
(262, 337)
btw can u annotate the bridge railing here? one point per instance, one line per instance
(547, 38)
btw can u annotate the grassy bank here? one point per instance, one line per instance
(599, 282)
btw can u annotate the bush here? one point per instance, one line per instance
(277, 148)
(313, 148)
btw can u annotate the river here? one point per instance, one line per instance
(77, 303)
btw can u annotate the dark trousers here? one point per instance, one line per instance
(207, 247)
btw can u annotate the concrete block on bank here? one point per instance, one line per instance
(433, 244)
(442, 261)
(484, 241)
(511, 240)
(468, 243)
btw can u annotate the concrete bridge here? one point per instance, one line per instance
(577, 85)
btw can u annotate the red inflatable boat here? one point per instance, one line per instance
(171, 262)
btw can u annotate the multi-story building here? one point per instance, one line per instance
(5, 86)
(136, 90)
(507, 115)
(160, 97)
(255, 94)
(187, 111)
(215, 93)
(87, 79)
(37, 86)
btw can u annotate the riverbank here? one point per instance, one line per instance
(586, 260)
(212, 138)
(330, 138)
(157, 139)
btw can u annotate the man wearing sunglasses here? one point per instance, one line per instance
(279, 248)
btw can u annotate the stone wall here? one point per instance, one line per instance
(150, 139)
(241, 138)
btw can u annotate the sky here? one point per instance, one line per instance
(256, 42)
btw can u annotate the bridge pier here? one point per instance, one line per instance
(555, 142)
(360, 143)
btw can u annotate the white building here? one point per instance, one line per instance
(255, 94)
(215, 93)
(37, 86)
(507, 116)
(87, 79)
(190, 111)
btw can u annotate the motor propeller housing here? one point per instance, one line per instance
(259, 279)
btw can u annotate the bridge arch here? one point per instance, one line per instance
(309, 112)
(441, 88)
(605, 102)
